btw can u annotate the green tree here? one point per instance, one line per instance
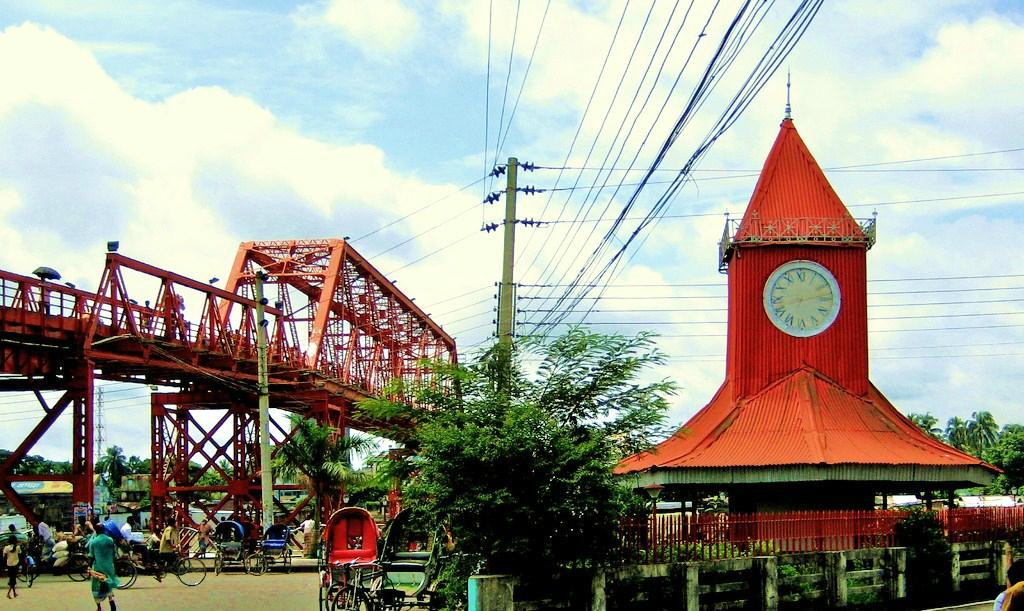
(112, 466)
(1011, 428)
(982, 431)
(927, 423)
(323, 457)
(1008, 455)
(957, 434)
(138, 465)
(518, 467)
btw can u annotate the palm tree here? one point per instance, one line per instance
(322, 456)
(957, 434)
(927, 423)
(983, 431)
(112, 466)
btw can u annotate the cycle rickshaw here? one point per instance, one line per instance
(404, 575)
(273, 548)
(349, 538)
(229, 537)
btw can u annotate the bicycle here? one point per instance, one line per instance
(29, 571)
(189, 571)
(367, 586)
(78, 566)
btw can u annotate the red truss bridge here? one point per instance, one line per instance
(338, 332)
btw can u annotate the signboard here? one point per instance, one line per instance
(41, 487)
(79, 509)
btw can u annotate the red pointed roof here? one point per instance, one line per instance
(801, 419)
(793, 200)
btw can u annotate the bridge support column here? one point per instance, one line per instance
(82, 459)
(206, 456)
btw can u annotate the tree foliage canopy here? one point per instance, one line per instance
(322, 456)
(1008, 455)
(519, 467)
(112, 466)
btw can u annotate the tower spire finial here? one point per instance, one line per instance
(789, 109)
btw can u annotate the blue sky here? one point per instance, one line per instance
(184, 128)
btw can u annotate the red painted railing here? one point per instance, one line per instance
(678, 537)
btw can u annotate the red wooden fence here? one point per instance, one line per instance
(680, 537)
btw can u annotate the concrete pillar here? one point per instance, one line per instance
(598, 598)
(491, 592)
(955, 566)
(896, 572)
(766, 572)
(691, 586)
(835, 578)
(1001, 558)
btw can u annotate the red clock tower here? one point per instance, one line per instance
(797, 424)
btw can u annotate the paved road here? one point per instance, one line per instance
(224, 592)
(985, 606)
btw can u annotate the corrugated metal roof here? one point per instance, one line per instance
(802, 419)
(791, 187)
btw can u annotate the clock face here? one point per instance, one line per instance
(801, 298)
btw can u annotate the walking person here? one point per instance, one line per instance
(101, 549)
(12, 554)
(307, 535)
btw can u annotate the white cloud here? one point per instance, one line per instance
(381, 27)
(182, 179)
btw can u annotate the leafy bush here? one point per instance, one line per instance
(519, 468)
(929, 556)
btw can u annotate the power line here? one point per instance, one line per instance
(722, 59)
(569, 239)
(470, 292)
(870, 305)
(526, 75)
(723, 284)
(842, 167)
(869, 293)
(417, 211)
(106, 389)
(434, 252)
(604, 120)
(508, 77)
(487, 97)
(583, 118)
(722, 322)
(425, 231)
(727, 212)
(468, 305)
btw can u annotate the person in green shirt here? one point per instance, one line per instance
(101, 549)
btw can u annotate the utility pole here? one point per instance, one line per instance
(99, 423)
(506, 292)
(98, 447)
(266, 476)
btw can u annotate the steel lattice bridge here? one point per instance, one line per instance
(338, 330)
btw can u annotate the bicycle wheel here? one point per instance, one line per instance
(256, 564)
(78, 567)
(32, 572)
(364, 602)
(190, 571)
(325, 596)
(26, 573)
(126, 572)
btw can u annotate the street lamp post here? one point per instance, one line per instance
(654, 491)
